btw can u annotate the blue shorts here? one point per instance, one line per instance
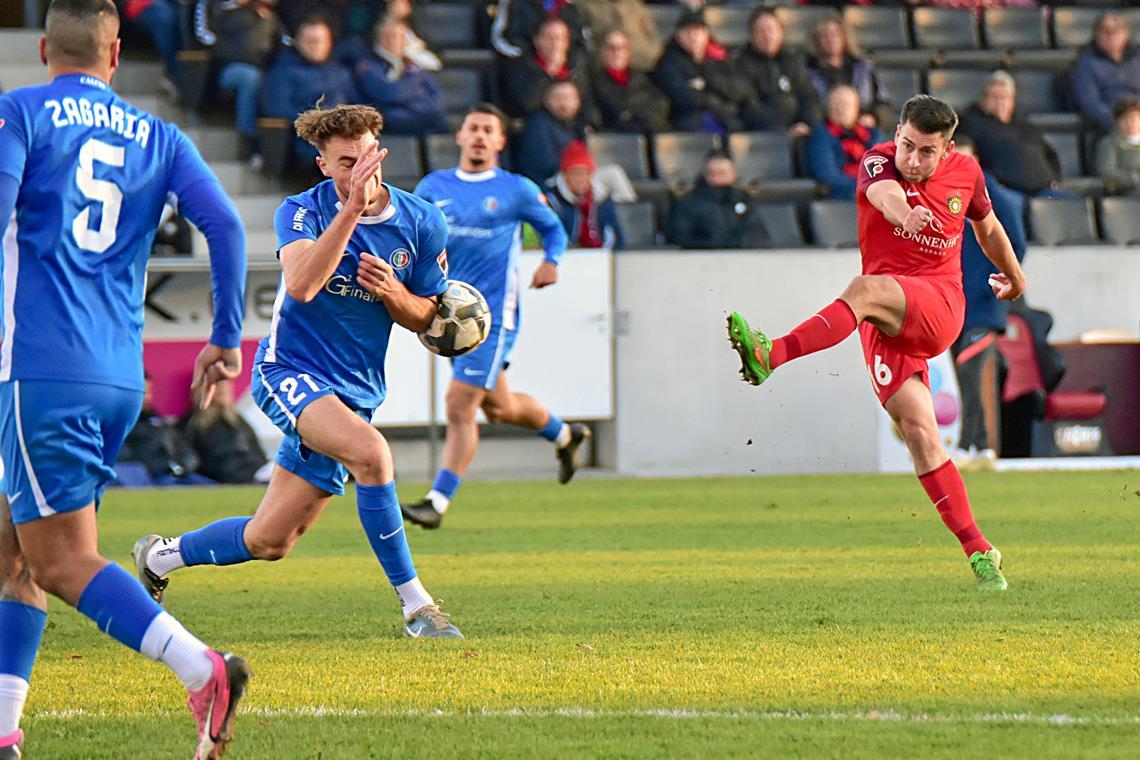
(482, 366)
(59, 441)
(283, 393)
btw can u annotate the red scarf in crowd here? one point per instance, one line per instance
(620, 76)
(589, 236)
(854, 141)
(562, 73)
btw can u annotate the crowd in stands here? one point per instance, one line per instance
(566, 69)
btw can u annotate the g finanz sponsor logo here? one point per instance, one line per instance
(345, 285)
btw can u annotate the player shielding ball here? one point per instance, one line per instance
(71, 377)
(914, 196)
(357, 257)
(485, 207)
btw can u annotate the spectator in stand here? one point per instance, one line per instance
(1107, 71)
(716, 213)
(517, 21)
(631, 17)
(1009, 147)
(525, 79)
(161, 20)
(411, 102)
(705, 94)
(781, 95)
(586, 212)
(1118, 154)
(548, 132)
(975, 352)
(625, 98)
(837, 144)
(833, 64)
(294, 13)
(365, 14)
(244, 34)
(225, 443)
(159, 446)
(304, 75)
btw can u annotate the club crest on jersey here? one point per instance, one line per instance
(954, 203)
(490, 203)
(874, 165)
(400, 258)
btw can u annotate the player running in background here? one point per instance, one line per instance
(913, 198)
(485, 207)
(357, 257)
(71, 376)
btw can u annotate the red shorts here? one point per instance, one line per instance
(935, 309)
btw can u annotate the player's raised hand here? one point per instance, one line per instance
(1006, 289)
(917, 219)
(546, 274)
(377, 276)
(365, 183)
(213, 365)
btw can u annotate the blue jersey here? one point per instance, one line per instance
(485, 212)
(342, 334)
(93, 174)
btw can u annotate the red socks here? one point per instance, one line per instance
(830, 325)
(945, 488)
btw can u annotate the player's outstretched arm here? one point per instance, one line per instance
(538, 213)
(308, 264)
(1010, 284)
(406, 308)
(888, 196)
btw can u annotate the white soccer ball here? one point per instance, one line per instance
(462, 322)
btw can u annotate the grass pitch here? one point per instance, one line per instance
(792, 617)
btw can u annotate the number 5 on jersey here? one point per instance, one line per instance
(99, 191)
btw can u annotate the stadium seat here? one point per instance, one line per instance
(761, 155)
(1015, 28)
(1062, 221)
(1121, 218)
(461, 88)
(625, 149)
(666, 17)
(729, 23)
(447, 25)
(875, 28)
(1037, 92)
(782, 224)
(1068, 147)
(833, 224)
(901, 58)
(958, 87)
(799, 22)
(945, 29)
(900, 84)
(1056, 61)
(1072, 27)
(638, 224)
(441, 151)
(680, 156)
(403, 163)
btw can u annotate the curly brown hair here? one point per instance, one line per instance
(318, 125)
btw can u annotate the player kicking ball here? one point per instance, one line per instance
(357, 257)
(485, 207)
(914, 196)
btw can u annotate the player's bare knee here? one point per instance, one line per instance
(370, 461)
(921, 437)
(271, 549)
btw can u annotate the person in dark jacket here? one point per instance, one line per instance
(246, 34)
(837, 144)
(975, 351)
(781, 93)
(548, 132)
(1009, 147)
(303, 75)
(226, 444)
(517, 22)
(589, 218)
(833, 64)
(716, 213)
(410, 101)
(525, 79)
(705, 95)
(1118, 154)
(625, 98)
(1107, 71)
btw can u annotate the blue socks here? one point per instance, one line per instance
(379, 511)
(447, 483)
(21, 628)
(551, 429)
(119, 605)
(219, 543)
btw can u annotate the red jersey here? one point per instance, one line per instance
(957, 190)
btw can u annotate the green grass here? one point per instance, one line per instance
(800, 617)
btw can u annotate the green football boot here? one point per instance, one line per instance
(753, 347)
(987, 569)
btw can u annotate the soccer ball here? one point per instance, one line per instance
(462, 322)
